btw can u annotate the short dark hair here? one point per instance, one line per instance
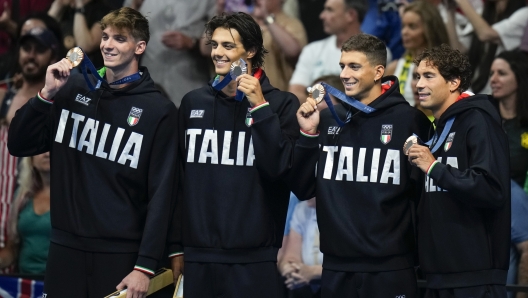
(130, 19)
(249, 31)
(450, 63)
(360, 6)
(369, 45)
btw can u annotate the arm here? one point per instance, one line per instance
(483, 30)
(86, 38)
(485, 183)
(29, 132)
(290, 44)
(522, 273)
(451, 31)
(299, 91)
(56, 10)
(162, 177)
(292, 253)
(6, 23)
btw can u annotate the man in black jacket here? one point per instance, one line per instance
(236, 152)
(113, 166)
(464, 211)
(364, 185)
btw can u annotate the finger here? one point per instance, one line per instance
(120, 286)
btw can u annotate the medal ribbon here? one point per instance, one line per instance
(438, 141)
(343, 97)
(87, 63)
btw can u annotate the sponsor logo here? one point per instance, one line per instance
(386, 133)
(83, 99)
(333, 130)
(134, 115)
(449, 141)
(399, 296)
(197, 113)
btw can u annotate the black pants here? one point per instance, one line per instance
(388, 284)
(81, 274)
(255, 280)
(485, 291)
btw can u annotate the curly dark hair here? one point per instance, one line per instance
(369, 45)
(249, 31)
(450, 63)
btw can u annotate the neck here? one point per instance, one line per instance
(373, 94)
(437, 113)
(415, 52)
(231, 88)
(342, 36)
(31, 87)
(507, 107)
(114, 74)
(45, 179)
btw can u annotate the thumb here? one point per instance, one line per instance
(121, 285)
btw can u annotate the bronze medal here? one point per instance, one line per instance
(317, 92)
(408, 144)
(75, 56)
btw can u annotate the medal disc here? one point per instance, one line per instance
(238, 68)
(408, 144)
(75, 56)
(317, 92)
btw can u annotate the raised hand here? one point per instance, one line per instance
(56, 76)
(251, 88)
(308, 116)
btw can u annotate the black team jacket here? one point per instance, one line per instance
(464, 212)
(113, 165)
(235, 164)
(364, 185)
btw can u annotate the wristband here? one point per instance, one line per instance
(430, 168)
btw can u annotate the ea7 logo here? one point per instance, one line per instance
(83, 99)
(333, 130)
(197, 113)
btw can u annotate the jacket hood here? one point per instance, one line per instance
(480, 101)
(391, 97)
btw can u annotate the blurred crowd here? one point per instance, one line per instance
(303, 39)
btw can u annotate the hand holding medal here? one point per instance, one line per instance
(308, 114)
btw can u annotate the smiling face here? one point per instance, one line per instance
(358, 75)
(413, 31)
(503, 81)
(227, 48)
(434, 92)
(119, 49)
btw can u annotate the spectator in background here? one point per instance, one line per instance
(341, 19)
(422, 27)
(173, 55)
(500, 28)
(509, 86)
(29, 223)
(80, 24)
(301, 265)
(284, 38)
(518, 269)
(524, 41)
(383, 21)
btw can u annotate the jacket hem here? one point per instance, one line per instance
(231, 256)
(390, 263)
(466, 279)
(94, 244)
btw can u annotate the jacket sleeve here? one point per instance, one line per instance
(162, 189)
(174, 241)
(306, 155)
(274, 135)
(30, 129)
(485, 183)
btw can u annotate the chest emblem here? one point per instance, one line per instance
(197, 114)
(249, 119)
(449, 141)
(524, 140)
(386, 133)
(134, 115)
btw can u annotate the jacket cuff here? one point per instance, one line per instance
(436, 171)
(146, 265)
(41, 105)
(175, 250)
(308, 141)
(261, 112)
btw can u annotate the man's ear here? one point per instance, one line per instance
(251, 53)
(454, 84)
(141, 46)
(380, 72)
